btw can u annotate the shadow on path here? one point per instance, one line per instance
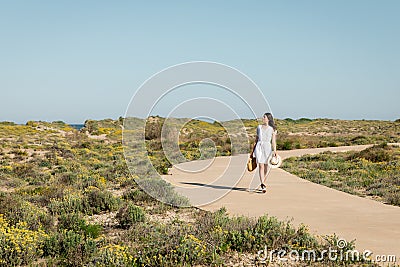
(225, 187)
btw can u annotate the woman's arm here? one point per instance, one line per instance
(255, 143)
(254, 147)
(274, 142)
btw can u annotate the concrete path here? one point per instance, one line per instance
(374, 225)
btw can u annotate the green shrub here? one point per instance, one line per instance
(71, 201)
(9, 123)
(303, 120)
(138, 196)
(359, 140)
(30, 173)
(393, 198)
(289, 120)
(68, 178)
(164, 191)
(70, 248)
(377, 153)
(72, 221)
(98, 201)
(44, 164)
(92, 201)
(129, 215)
(284, 145)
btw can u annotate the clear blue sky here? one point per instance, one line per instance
(77, 60)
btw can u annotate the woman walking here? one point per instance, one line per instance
(265, 147)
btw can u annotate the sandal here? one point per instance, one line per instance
(263, 188)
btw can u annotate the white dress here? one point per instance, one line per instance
(263, 149)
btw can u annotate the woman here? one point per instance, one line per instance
(265, 146)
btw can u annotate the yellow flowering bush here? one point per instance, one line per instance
(192, 249)
(71, 201)
(6, 168)
(115, 255)
(18, 244)
(15, 209)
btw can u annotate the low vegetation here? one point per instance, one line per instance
(67, 198)
(292, 134)
(373, 172)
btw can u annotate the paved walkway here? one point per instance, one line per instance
(374, 225)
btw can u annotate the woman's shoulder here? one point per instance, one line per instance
(272, 129)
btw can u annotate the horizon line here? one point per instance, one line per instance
(197, 118)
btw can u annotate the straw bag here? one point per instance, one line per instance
(251, 164)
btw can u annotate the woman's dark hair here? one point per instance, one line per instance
(271, 121)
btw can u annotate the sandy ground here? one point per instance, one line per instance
(210, 185)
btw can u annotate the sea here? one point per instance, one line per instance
(77, 126)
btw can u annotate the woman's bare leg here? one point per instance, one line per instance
(267, 169)
(261, 171)
(262, 176)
